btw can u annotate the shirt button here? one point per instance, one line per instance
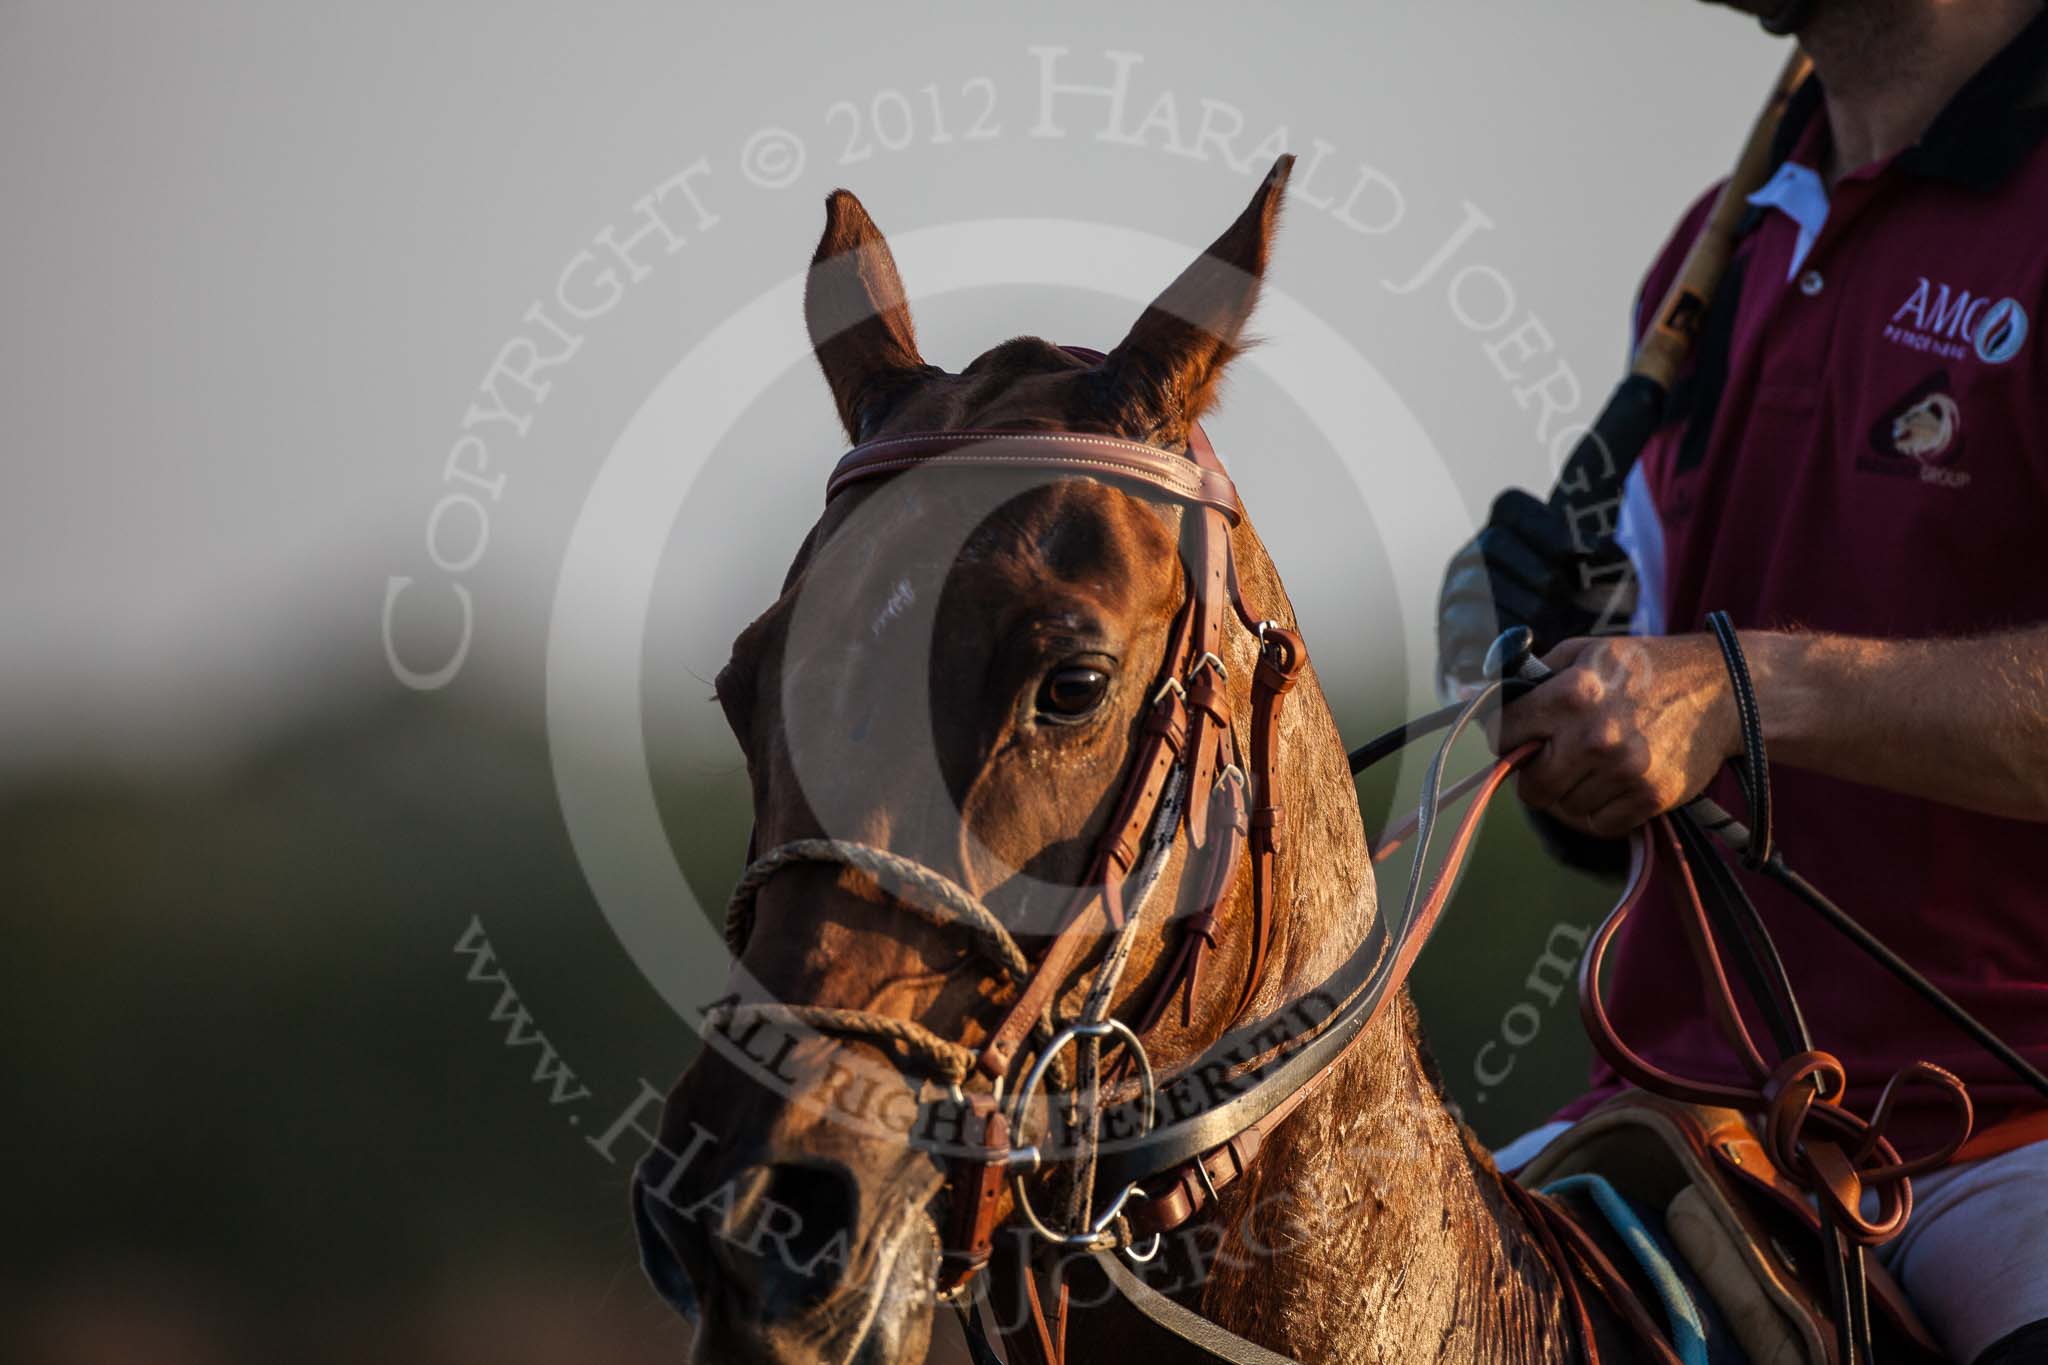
(1811, 283)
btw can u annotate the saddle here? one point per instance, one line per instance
(1746, 1233)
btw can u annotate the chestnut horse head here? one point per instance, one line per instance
(957, 671)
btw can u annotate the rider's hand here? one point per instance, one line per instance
(1522, 569)
(1632, 727)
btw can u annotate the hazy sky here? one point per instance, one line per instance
(262, 260)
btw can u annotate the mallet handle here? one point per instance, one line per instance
(1676, 325)
(1588, 487)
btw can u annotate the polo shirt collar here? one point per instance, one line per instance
(1993, 122)
(1797, 192)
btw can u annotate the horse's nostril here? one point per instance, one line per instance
(794, 1237)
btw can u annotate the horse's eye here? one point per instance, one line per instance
(1072, 693)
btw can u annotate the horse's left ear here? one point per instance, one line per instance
(858, 315)
(1177, 351)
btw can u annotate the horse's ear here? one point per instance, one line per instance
(1169, 364)
(858, 316)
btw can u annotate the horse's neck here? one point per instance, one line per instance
(1370, 1229)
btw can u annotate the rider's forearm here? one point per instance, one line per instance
(1962, 721)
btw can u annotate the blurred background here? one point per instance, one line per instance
(287, 509)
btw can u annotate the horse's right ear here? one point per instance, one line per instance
(1169, 365)
(858, 316)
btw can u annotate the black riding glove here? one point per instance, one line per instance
(1522, 569)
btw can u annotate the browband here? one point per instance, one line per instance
(1056, 452)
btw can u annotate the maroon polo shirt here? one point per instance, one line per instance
(1860, 447)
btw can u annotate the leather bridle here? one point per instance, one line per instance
(1188, 775)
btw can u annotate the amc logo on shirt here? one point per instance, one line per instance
(1953, 323)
